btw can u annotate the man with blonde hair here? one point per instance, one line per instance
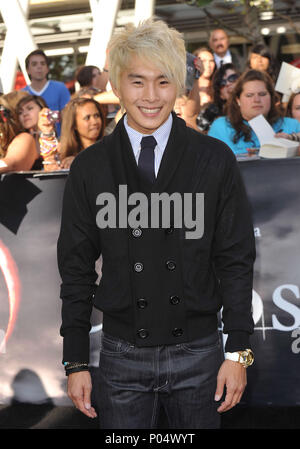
(162, 284)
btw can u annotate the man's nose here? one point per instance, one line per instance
(150, 92)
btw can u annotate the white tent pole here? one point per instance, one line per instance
(144, 9)
(14, 15)
(104, 18)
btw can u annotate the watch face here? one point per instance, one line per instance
(247, 357)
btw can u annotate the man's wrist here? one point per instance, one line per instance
(75, 367)
(244, 357)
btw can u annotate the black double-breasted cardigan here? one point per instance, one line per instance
(157, 286)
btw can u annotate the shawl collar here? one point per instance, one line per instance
(124, 166)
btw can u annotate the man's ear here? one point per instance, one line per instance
(116, 91)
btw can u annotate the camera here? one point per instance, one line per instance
(191, 72)
(53, 116)
(207, 116)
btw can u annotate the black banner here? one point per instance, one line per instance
(30, 344)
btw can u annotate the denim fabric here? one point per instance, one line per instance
(135, 382)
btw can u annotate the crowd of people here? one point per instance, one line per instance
(44, 127)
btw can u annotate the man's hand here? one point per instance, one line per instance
(79, 391)
(232, 375)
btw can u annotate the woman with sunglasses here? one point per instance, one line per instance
(223, 82)
(253, 95)
(17, 148)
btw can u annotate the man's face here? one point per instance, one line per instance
(146, 94)
(37, 68)
(219, 42)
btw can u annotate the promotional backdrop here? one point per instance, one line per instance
(30, 344)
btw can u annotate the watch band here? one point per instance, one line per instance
(245, 358)
(234, 356)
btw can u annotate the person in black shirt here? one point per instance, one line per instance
(166, 271)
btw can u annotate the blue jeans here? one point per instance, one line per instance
(135, 382)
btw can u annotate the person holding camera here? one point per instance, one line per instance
(37, 119)
(17, 148)
(55, 93)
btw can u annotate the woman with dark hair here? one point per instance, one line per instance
(17, 148)
(292, 110)
(253, 95)
(201, 93)
(28, 110)
(293, 106)
(261, 58)
(83, 123)
(204, 81)
(223, 83)
(90, 75)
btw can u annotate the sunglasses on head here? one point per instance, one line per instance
(231, 79)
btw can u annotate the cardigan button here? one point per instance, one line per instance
(174, 300)
(137, 232)
(169, 231)
(138, 267)
(143, 333)
(177, 332)
(142, 303)
(170, 265)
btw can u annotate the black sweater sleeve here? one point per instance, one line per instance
(234, 256)
(78, 248)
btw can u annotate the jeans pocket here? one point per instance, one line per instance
(114, 346)
(203, 344)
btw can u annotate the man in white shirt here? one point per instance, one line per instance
(55, 93)
(219, 43)
(159, 293)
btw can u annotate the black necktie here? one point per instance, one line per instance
(146, 159)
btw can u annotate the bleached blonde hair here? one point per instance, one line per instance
(154, 42)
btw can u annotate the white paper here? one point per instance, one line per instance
(288, 79)
(266, 134)
(262, 129)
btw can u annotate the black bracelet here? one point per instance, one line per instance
(77, 369)
(78, 366)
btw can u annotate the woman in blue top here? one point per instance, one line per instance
(253, 95)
